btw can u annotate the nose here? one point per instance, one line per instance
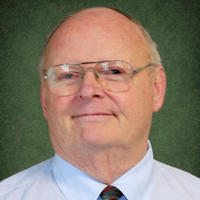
(90, 87)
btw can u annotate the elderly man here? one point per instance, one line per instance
(102, 80)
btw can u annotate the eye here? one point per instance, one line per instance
(68, 76)
(116, 71)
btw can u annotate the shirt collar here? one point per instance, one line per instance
(135, 184)
(75, 184)
(138, 182)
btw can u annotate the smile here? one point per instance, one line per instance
(92, 115)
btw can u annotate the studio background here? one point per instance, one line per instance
(173, 25)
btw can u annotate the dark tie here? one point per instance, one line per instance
(111, 193)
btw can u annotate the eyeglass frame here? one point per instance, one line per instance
(97, 62)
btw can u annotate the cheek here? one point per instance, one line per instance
(58, 117)
(137, 104)
(144, 93)
(58, 107)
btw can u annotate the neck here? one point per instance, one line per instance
(104, 165)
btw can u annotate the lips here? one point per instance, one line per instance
(92, 115)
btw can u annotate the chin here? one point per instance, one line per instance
(98, 138)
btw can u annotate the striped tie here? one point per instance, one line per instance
(111, 193)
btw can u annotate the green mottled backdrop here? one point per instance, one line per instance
(173, 24)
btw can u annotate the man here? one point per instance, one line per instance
(102, 80)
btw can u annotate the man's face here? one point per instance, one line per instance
(93, 117)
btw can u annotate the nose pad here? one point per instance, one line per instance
(96, 75)
(90, 86)
(92, 70)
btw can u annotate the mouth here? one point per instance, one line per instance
(93, 115)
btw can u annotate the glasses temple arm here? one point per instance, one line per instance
(140, 69)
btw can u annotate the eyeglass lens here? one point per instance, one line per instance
(66, 79)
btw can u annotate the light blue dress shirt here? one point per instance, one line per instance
(75, 184)
(56, 179)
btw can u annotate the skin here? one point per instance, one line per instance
(102, 133)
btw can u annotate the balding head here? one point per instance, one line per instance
(104, 22)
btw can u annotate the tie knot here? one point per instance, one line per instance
(111, 193)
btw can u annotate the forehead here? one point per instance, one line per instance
(95, 34)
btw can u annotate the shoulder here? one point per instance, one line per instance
(176, 173)
(176, 182)
(23, 179)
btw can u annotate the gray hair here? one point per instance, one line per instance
(154, 54)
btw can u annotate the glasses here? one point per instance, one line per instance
(112, 75)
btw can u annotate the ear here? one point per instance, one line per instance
(43, 99)
(159, 87)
